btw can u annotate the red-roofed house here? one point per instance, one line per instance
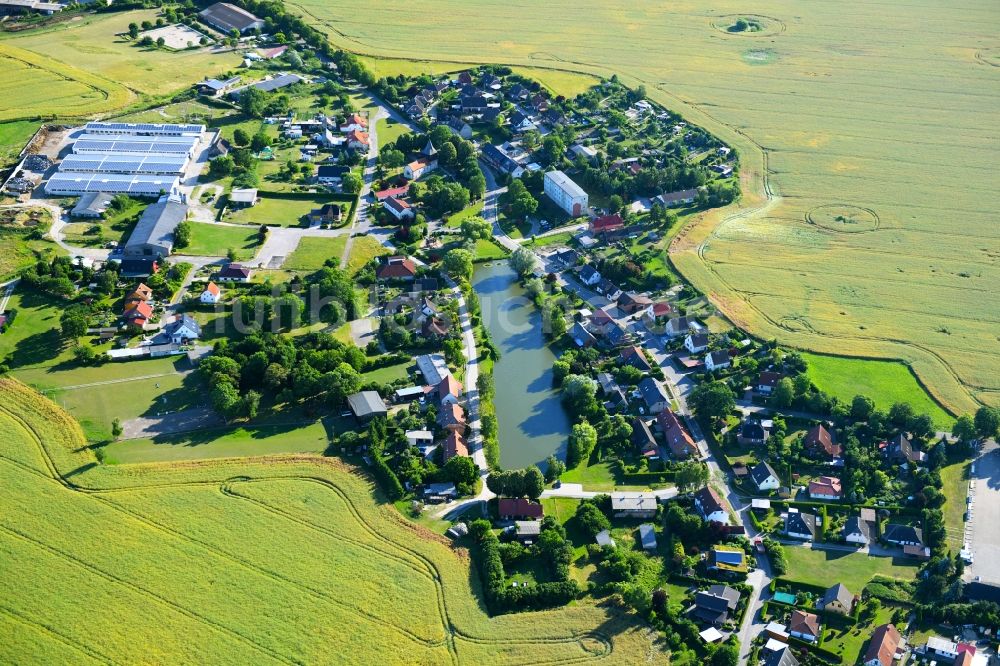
(138, 313)
(212, 294)
(398, 208)
(357, 140)
(454, 445)
(678, 440)
(607, 224)
(825, 487)
(819, 441)
(449, 391)
(397, 268)
(883, 646)
(354, 122)
(635, 357)
(519, 509)
(418, 168)
(452, 417)
(382, 195)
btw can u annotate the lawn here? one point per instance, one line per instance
(13, 136)
(215, 240)
(17, 252)
(594, 476)
(850, 641)
(363, 250)
(826, 567)
(487, 250)
(221, 443)
(313, 251)
(322, 570)
(33, 338)
(286, 212)
(388, 130)
(562, 238)
(908, 276)
(474, 210)
(955, 486)
(885, 382)
(389, 373)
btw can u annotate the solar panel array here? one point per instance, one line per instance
(144, 129)
(124, 163)
(138, 184)
(132, 145)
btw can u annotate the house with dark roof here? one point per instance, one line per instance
(728, 559)
(519, 508)
(180, 331)
(764, 476)
(715, 604)
(837, 599)
(632, 302)
(717, 360)
(676, 436)
(366, 405)
(696, 343)
(768, 381)
(589, 275)
(609, 289)
(819, 442)
(398, 208)
(900, 450)
(138, 266)
(710, 506)
(234, 273)
(328, 213)
(581, 336)
(903, 535)
(615, 336)
(780, 656)
(642, 438)
(634, 356)
(883, 646)
(653, 395)
(800, 525)
(861, 529)
(751, 433)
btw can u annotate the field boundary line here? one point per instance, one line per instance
(113, 578)
(50, 631)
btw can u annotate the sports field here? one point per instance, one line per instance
(193, 578)
(866, 140)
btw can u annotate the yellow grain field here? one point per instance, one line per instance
(280, 560)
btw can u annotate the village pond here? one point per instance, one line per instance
(531, 420)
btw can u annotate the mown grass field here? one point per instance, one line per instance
(831, 105)
(885, 382)
(214, 240)
(92, 46)
(819, 567)
(388, 130)
(363, 250)
(198, 577)
(313, 251)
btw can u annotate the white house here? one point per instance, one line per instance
(419, 167)
(696, 343)
(764, 477)
(419, 438)
(566, 194)
(710, 506)
(589, 275)
(182, 330)
(717, 360)
(398, 208)
(211, 295)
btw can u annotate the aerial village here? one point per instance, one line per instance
(730, 465)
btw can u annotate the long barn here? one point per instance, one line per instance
(141, 163)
